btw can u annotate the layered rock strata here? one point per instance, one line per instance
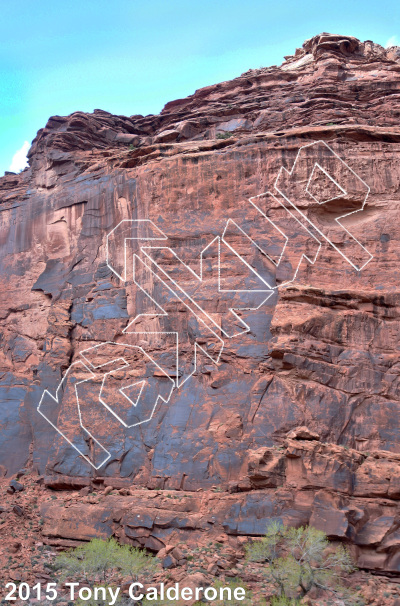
(244, 181)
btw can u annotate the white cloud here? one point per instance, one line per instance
(392, 42)
(20, 161)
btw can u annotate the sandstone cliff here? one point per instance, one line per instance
(128, 242)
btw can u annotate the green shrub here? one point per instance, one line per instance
(99, 559)
(299, 559)
(225, 135)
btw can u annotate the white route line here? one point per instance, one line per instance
(126, 365)
(91, 377)
(162, 236)
(184, 296)
(344, 192)
(56, 399)
(179, 383)
(290, 173)
(268, 290)
(142, 383)
(303, 256)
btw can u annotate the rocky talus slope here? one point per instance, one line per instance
(124, 248)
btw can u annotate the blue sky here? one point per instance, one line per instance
(130, 57)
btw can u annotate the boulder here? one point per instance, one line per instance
(303, 433)
(16, 486)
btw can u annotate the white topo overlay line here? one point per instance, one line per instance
(137, 228)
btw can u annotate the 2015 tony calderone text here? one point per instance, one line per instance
(110, 595)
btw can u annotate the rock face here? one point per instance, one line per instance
(352, 497)
(129, 242)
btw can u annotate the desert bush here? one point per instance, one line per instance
(98, 560)
(299, 559)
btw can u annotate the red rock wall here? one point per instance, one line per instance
(321, 352)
